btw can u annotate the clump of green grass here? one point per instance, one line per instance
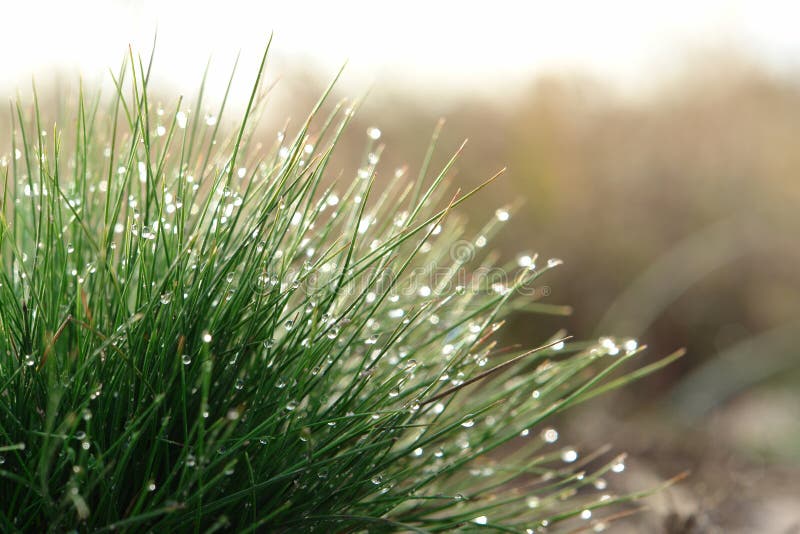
(204, 332)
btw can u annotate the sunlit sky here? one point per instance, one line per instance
(412, 44)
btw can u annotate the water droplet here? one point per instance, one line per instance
(554, 262)
(206, 336)
(186, 359)
(394, 392)
(418, 452)
(533, 502)
(468, 424)
(569, 455)
(371, 340)
(481, 520)
(29, 360)
(70, 248)
(161, 131)
(502, 215)
(618, 467)
(550, 435)
(211, 120)
(239, 384)
(166, 298)
(291, 406)
(458, 497)
(191, 461)
(151, 486)
(600, 484)
(80, 435)
(289, 324)
(377, 479)
(2, 460)
(373, 133)
(586, 514)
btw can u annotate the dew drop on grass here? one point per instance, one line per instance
(289, 324)
(550, 435)
(618, 467)
(569, 455)
(586, 514)
(206, 336)
(371, 340)
(554, 262)
(191, 461)
(70, 248)
(481, 520)
(600, 484)
(2, 460)
(502, 215)
(151, 486)
(186, 359)
(29, 360)
(239, 384)
(166, 298)
(418, 452)
(80, 435)
(377, 479)
(394, 392)
(291, 406)
(468, 424)
(373, 133)
(532, 502)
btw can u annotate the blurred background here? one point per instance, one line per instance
(655, 148)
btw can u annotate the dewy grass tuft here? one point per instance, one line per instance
(201, 331)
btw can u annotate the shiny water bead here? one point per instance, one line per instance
(569, 455)
(550, 435)
(373, 133)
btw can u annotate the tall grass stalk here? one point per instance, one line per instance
(201, 330)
